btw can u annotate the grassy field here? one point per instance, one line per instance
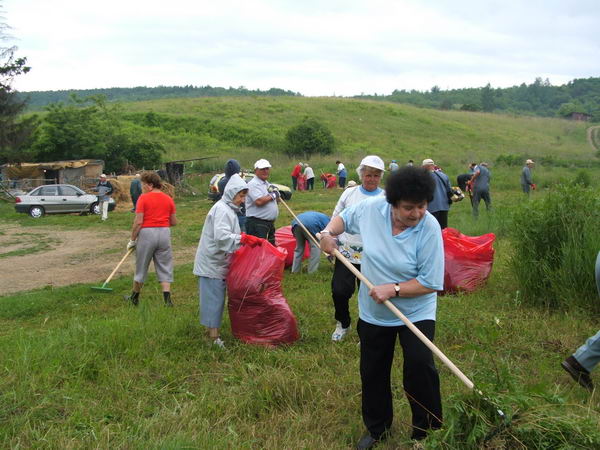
(82, 369)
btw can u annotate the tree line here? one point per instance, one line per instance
(39, 99)
(538, 98)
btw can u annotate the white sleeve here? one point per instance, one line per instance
(224, 234)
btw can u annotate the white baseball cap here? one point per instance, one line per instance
(262, 164)
(103, 175)
(428, 162)
(373, 161)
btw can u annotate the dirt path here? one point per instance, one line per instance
(590, 132)
(37, 257)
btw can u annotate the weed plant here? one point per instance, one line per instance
(556, 240)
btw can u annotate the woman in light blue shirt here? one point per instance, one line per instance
(403, 256)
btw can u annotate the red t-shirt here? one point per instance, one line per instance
(157, 208)
(297, 170)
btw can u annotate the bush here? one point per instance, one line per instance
(556, 240)
(583, 178)
(308, 138)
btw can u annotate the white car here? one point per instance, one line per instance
(56, 199)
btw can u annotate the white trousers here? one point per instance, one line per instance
(104, 207)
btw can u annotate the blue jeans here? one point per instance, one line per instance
(588, 355)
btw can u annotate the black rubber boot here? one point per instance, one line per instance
(134, 298)
(167, 298)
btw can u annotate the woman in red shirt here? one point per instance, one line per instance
(151, 237)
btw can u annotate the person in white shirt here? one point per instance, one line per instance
(342, 174)
(344, 282)
(261, 203)
(309, 174)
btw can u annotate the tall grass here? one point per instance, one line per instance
(556, 240)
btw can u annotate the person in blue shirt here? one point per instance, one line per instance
(403, 256)
(314, 222)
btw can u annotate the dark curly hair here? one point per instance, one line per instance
(152, 178)
(409, 183)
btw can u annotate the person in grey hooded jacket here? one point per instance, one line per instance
(221, 237)
(232, 166)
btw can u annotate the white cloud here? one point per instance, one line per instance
(315, 47)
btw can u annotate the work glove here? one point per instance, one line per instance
(533, 187)
(131, 244)
(252, 241)
(272, 188)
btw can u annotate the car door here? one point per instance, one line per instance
(48, 198)
(70, 200)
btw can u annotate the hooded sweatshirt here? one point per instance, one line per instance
(231, 167)
(221, 234)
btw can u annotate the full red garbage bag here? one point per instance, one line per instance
(468, 260)
(258, 311)
(301, 183)
(329, 180)
(285, 239)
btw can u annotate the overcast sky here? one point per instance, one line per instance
(317, 48)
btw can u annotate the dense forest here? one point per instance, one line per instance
(538, 98)
(39, 99)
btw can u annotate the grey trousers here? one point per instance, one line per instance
(315, 251)
(154, 244)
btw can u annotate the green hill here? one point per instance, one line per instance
(246, 126)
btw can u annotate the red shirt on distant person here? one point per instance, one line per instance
(157, 208)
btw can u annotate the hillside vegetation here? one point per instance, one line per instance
(211, 126)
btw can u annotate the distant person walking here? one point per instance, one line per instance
(410, 163)
(105, 190)
(480, 184)
(341, 173)
(295, 174)
(393, 166)
(261, 203)
(309, 174)
(586, 358)
(135, 190)
(314, 222)
(151, 237)
(440, 205)
(526, 177)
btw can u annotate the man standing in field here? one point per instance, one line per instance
(526, 178)
(341, 172)
(295, 174)
(104, 189)
(393, 166)
(440, 205)
(135, 190)
(480, 184)
(261, 203)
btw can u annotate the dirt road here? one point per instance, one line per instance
(37, 257)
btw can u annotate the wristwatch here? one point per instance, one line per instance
(326, 232)
(397, 289)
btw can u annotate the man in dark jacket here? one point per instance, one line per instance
(104, 189)
(135, 190)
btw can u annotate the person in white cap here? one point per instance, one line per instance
(104, 189)
(343, 283)
(261, 203)
(440, 205)
(526, 178)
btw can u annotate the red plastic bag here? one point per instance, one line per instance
(301, 183)
(285, 239)
(258, 311)
(468, 260)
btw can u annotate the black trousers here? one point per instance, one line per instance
(261, 228)
(442, 218)
(342, 182)
(310, 184)
(420, 377)
(343, 285)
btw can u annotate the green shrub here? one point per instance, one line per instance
(556, 240)
(308, 138)
(583, 178)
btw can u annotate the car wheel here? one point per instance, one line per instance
(36, 212)
(95, 208)
(285, 195)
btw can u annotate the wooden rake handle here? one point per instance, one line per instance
(424, 339)
(119, 265)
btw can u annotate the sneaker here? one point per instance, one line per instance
(218, 342)
(578, 372)
(339, 332)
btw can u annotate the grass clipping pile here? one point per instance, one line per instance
(121, 195)
(539, 421)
